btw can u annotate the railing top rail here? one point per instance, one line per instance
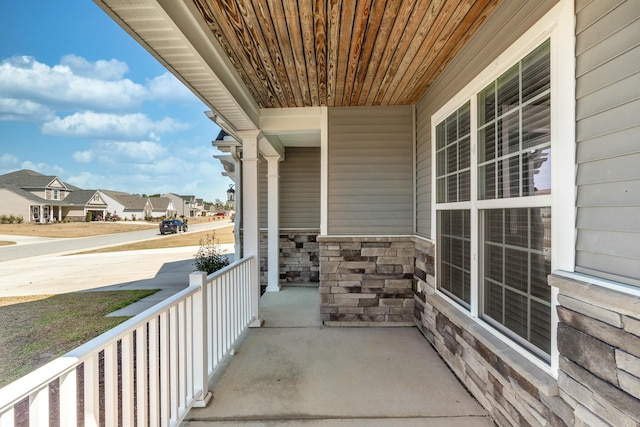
(17, 390)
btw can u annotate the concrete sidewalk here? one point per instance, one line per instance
(293, 371)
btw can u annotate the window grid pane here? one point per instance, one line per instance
(514, 130)
(516, 264)
(455, 255)
(453, 157)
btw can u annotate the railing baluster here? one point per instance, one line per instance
(142, 402)
(69, 399)
(128, 393)
(111, 384)
(39, 402)
(189, 345)
(91, 392)
(174, 382)
(165, 385)
(154, 373)
(164, 370)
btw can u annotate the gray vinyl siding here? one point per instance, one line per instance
(488, 43)
(423, 173)
(300, 188)
(370, 188)
(608, 139)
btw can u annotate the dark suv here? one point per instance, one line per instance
(172, 226)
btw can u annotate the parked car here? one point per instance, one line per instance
(219, 215)
(113, 217)
(172, 226)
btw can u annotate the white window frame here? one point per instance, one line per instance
(558, 25)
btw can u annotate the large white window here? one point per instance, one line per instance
(493, 193)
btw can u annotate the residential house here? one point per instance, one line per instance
(467, 167)
(185, 206)
(79, 203)
(127, 206)
(44, 198)
(162, 207)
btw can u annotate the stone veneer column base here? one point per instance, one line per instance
(299, 257)
(366, 281)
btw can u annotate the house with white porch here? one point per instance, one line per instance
(41, 198)
(466, 167)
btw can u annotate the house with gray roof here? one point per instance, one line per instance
(162, 207)
(127, 206)
(46, 198)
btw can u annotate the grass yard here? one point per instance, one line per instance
(38, 329)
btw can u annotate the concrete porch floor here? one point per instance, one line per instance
(293, 371)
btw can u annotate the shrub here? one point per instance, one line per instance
(88, 217)
(11, 219)
(209, 257)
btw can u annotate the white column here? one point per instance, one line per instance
(251, 214)
(235, 153)
(324, 171)
(273, 180)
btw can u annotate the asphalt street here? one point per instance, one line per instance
(30, 246)
(38, 266)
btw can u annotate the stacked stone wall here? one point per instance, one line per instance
(366, 279)
(599, 344)
(299, 257)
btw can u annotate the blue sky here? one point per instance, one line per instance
(80, 99)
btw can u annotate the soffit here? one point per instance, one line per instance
(341, 52)
(169, 32)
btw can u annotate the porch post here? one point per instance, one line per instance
(238, 208)
(251, 215)
(273, 179)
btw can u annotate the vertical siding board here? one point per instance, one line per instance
(370, 170)
(608, 179)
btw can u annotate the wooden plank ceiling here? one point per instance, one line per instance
(341, 52)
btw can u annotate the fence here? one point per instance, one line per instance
(148, 371)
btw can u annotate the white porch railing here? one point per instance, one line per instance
(148, 371)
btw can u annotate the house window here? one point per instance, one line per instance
(56, 194)
(453, 157)
(498, 199)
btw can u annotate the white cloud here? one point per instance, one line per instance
(167, 87)
(100, 70)
(12, 109)
(118, 152)
(62, 88)
(83, 156)
(111, 126)
(43, 168)
(86, 180)
(8, 163)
